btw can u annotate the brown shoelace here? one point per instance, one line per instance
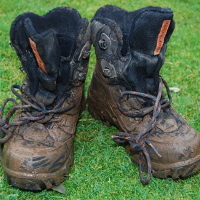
(7, 128)
(138, 143)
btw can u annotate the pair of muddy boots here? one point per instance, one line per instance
(125, 91)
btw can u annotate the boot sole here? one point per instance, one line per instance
(175, 171)
(178, 172)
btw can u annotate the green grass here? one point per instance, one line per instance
(102, 169)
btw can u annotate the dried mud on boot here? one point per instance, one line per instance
(54, 51)
(127, 91)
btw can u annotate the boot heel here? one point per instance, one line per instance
(96, 112)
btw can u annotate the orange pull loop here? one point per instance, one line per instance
(37, 56)
(161, 36)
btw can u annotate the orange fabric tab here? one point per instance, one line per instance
(37, 56)
(161, 36)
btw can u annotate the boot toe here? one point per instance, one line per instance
(35, 165)
(180, 156)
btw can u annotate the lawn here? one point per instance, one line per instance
(102, 169)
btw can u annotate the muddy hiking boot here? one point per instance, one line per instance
(54, 52)
(127, 91)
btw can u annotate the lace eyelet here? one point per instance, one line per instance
(102, 44)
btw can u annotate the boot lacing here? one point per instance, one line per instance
(138, 143)
(7, 128)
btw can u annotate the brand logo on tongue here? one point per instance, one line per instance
(161, 36)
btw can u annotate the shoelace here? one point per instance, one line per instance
(7, 128)
(138, 143)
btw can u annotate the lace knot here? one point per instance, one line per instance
(137, 145)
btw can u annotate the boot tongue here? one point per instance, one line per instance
(46, 51)
(151, 29)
